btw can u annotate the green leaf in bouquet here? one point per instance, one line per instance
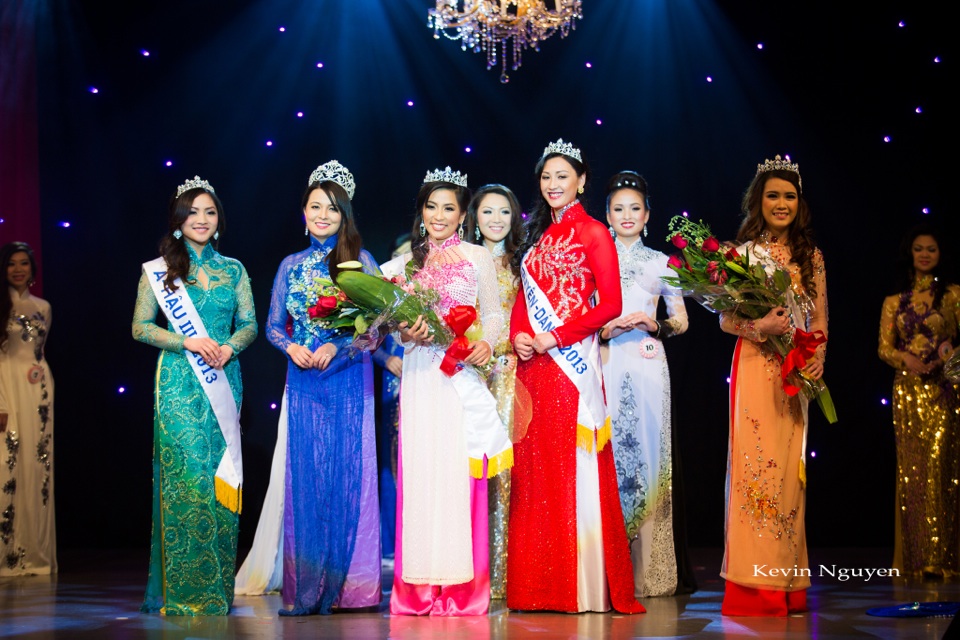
(781, 280)
(360, 324)
(759, 273)
(736, 268)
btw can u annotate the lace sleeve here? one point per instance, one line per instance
(886, 348)
(278, 316)
(739, 326)
(145, 328)
(819, 317)
(245, 317)
(677, 321)
(369, 264)
(488, 294)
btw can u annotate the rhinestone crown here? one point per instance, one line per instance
(447, 175)
(196, 183)
(780, 164)
(564, 148)
(333, 171)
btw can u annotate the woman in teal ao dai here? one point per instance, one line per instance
(194, 545)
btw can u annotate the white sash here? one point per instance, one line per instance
(580, 362)
(184, 319)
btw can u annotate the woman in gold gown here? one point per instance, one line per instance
(493, 220)
(918, 330)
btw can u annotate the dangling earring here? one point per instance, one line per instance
(423, 229)
(216, 235)
(644, 231)
(476, 232)
(306, 229)
(460, 231)
(178, 234)
(613, 234)
(580, 190)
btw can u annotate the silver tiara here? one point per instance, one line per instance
(196, 183)
(564, 148)
(333, 171)
(447, 175)
(780, 164)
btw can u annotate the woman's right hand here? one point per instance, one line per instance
(300, 355)
(206, 348)
(775, 323)
(523, 345)
(418, 333)
(915, 365)
(394, 365)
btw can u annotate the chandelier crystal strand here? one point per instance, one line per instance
(488, 26)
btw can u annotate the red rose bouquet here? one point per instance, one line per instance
(725, 281)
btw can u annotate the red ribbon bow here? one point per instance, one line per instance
(459, 319)
(805, 345)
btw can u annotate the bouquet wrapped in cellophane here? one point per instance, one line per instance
(722, 280)
(374, 306)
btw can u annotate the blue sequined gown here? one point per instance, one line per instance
(331, 525)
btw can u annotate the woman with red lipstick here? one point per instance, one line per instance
(637, 382)
(766, 497)
(28, 541)
(451, 438)
(494, 220)
(317, 540)
(918, 331)
(197, 467)
(567, 548)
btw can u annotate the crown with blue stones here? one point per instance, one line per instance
(564, 148)
(196, 183)
(780, 164)
(447, 175)
(333, 171)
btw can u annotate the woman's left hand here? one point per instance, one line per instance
(640, 320)
(323, 356)
(226, 352)
(814, 368)
(543, 342)
(481, 353)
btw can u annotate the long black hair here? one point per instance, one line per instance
(6, 304)
(514, 236)
(349, 241)
(542, 214)
(419, 244)
(174, 250)
(906, 274)
(800, 234)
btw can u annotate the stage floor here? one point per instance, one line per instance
(98, 594)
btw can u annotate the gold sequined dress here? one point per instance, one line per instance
(502, 381)
(926, 422)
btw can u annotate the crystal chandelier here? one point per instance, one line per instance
(485, 25)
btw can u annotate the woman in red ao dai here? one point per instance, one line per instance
(567, 543)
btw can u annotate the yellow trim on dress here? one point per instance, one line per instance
(587, 436)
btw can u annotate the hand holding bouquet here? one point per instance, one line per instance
(725, 281)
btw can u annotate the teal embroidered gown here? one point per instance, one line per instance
(194, 545)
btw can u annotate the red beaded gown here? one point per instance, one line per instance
(573, 260)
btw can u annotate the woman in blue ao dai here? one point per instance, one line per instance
(330, 515)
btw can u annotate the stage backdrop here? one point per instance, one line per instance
(252, 95)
